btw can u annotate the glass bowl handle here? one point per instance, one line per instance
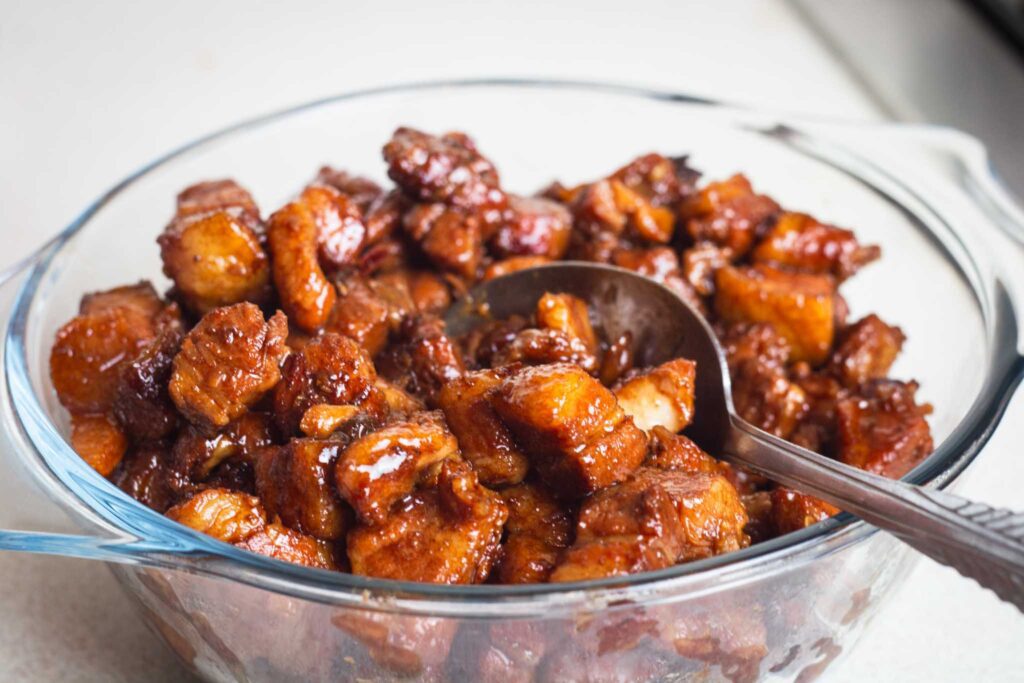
(38, 514)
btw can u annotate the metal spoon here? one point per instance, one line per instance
(980, 542)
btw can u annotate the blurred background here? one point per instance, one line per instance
(90, 92)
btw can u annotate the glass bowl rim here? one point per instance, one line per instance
(79, 484)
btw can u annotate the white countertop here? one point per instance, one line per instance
(89, 92)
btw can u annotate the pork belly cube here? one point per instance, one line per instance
(662, 180)
(140, 297)
(800, 242)
(360, 190)
(570, 426)
(306, 295)
(503, 652)
(450, 238)
(396, 646)
(532, 226)
(761, 390)
(146, 475)
(212, 249)
(423, 358)
(798, 305)
(446, 168)
(294, 482)
(569, 314)
(882, 428)
(89, 350)
(537, 530)
(429, 292)
(196, 453)
(654, 520)
(332, 370)
(543, 347)
(227, 362)
(399, 402)
(512, 265)
(288, 545)
(484, 439)
(449, 533)
(701, 262)
(340, 231)
(228, 516)
(361, 314)
(375, 471)
(792, 511)
(866, 350)
(143, 403)
(99, 441)
(323, 419)
(661, 396)
(670, 451)
(728, 213)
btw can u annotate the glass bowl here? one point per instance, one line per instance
(785, 609)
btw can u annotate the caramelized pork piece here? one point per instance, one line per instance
(661, 265)
(654, 520)
(484, 439)
(212, 250)
(661, 396)
(882, 429)
(511, 265)
(228, 516)
(340, 232)
(570, 426)
(543, 347)
(99, 441)
(145, 475)
(611, 207)
(332, 370)
(89, 350)
(227, 362)
(240, 519)
(295, 484)
(383, 216)
(701, 262)
(798, 305)
(675, 452)
(218, 195)
(617, 359)
(281, 543)
(360, 190)
(799, 242)
(532, 226)
(398, 401)
(306, 294)
(360, 314)
(568, 314)
(378, 469)
(503, 652)
(197, 454)
(816, 429)
(728, 213)
(537, 530)
(423, 360)
(140, 297)
(761, 392)
(143, 403)
(443, 169)
(661, 180)
(323, 419)
(429, 292)
(483, 343)
(866, 351)
(792, 511)
(729, 634)
(444, 534)
(452, 239)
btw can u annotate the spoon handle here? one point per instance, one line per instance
(981, 542)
